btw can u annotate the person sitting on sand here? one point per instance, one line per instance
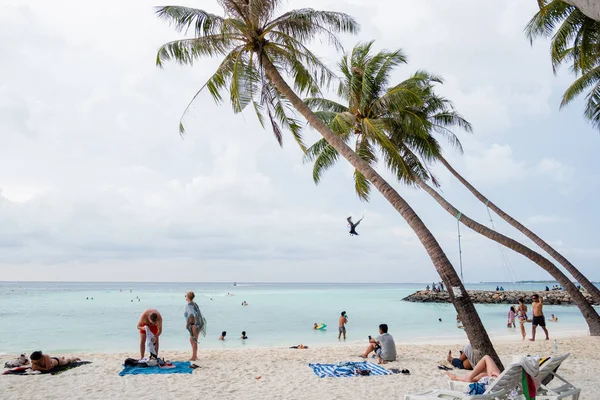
(223, 334)
(45, 363)
(383, 346)
(553, 318)
(485, 368)
(244, 335)
(464, 360)
(153, 320)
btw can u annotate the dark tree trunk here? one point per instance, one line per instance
(474, 328)
(590, 315)
(579, 277)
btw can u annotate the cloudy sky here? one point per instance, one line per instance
(96, 184)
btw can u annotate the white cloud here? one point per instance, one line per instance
(555, 169)
(495, 165)
(96, 183)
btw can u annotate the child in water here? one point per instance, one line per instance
(512, 314)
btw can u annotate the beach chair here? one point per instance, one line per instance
(547, 374)
(499, 389)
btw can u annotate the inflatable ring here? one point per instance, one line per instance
(321, 327)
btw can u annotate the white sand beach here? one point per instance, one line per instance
(232, 374)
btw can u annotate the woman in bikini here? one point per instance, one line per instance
(522, 310)
(45, 363)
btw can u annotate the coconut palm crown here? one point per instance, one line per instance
(392, 123)
(249, 31)
(575, 41)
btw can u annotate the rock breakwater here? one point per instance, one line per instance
(555, 297)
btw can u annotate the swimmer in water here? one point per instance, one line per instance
(316, 326)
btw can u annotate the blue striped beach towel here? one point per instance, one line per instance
(347, 369)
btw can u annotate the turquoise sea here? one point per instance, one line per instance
(62, 317)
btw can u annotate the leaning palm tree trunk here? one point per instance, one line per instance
(579, 277)
(460, 298)
(591, 316)
(590, 8)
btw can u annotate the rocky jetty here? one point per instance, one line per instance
(554, 297)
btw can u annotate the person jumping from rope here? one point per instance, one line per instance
(353, 226)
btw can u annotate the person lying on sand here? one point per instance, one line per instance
(300, 346)
(486, 367)
(45, 363)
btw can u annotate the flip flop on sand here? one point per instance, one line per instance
(444, 368)
(405, 372)
(194, 366)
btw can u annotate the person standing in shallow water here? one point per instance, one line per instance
(342, 325)
(522, 311)
(194, 323)
(538, 317)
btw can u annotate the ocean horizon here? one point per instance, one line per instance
(102, 316)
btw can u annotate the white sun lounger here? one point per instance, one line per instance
(499, 389)
(564, 391)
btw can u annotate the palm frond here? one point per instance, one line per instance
(306, 24)
(184, 18)
(318, 104)
(585, 81)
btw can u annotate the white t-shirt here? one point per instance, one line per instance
(388, 347)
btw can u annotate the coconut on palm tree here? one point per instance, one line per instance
(256, 46)
(398, 123)
(575, 41)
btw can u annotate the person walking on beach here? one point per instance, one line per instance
(194, 323)
(152, 319)
(522, 311)
(342, 325)
(538, 317)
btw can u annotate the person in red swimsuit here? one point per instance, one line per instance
(153, 320)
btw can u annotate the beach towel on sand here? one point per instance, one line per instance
(177, 367)
(53, 371)
(347, 369)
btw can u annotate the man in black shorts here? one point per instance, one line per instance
(538, 316)
(342, 325)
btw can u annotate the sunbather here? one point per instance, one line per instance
(45, 363)
(486, 367)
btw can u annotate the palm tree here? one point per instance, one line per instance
(579, 277)
(256, 46)
(398, 124)
(576, 42)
